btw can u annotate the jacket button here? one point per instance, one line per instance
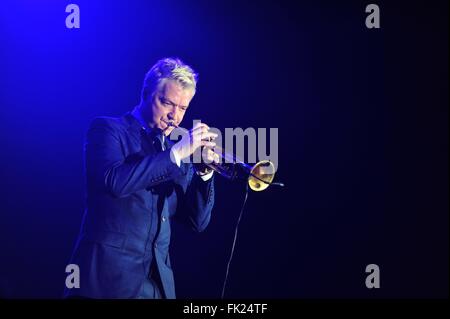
(163, 218)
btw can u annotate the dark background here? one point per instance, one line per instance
(363, 139)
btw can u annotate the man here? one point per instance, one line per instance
(136, 184)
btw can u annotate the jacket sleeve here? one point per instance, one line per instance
(197, 203)
(107, 167)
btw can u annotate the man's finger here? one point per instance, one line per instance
(209, 136)
(200, 130)
(207, 144)
(200, 125)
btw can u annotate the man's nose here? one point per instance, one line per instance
(171, 115)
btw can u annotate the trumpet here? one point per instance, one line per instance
(259, 176)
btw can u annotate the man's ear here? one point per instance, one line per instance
(147, 96)
(151, 97)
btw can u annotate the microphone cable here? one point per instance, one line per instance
(234, 241)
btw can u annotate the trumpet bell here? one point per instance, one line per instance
(258, 176)
(261, 175)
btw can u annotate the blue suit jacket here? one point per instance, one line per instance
(133, 193)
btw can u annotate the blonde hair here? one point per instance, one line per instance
(168, 69)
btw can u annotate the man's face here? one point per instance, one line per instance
(169, 105)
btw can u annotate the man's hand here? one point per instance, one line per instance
(193, 139)
(208, 156)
